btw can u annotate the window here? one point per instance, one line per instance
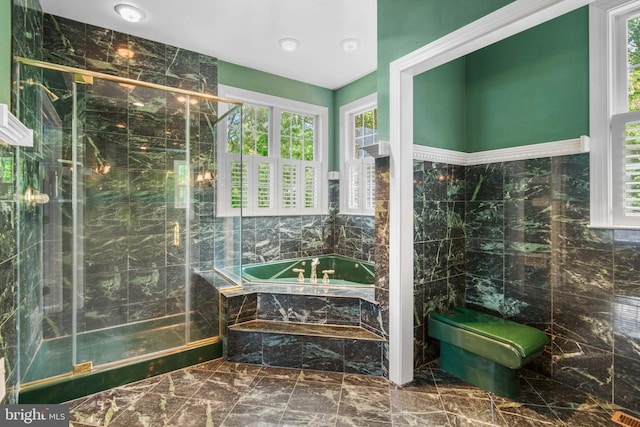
(615, 113)
(359, 128)
(272, 155)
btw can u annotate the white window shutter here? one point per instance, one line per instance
(358, 129)
(625, 134)
(265, 185)
(353, 182)
(369, 185)
(632, 170)
(239, 169)
(311, 187)
(232, 185)
(360, 186)
(289, 183)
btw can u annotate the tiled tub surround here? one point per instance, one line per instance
(287, 237)
(359, 237)
(287, 326)
(530, 256)
(315, 327)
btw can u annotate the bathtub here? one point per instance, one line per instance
(348, 271)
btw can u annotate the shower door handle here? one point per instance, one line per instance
(176, 234)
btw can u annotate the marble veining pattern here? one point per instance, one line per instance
(26, 41)
(130, 268)
(439, 247)
(365, 293)
(298, 330)
(338, 331)
(274, 238)
(231, 394)
(529, 255)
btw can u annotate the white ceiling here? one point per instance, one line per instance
(246, 32)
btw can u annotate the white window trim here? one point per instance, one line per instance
(277, 104)
(346, 148)
(604, 78)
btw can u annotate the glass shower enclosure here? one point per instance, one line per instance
(116, 211)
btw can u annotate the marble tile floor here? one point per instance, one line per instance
(219, 393)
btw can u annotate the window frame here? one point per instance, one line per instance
(608, 83)
(349, 161)
(276, 106)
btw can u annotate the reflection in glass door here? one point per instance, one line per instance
(130, 142)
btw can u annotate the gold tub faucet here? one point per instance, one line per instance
(314, 277)
(300, 272)
(325, 275)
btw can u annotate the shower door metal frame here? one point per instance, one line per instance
(125, 80)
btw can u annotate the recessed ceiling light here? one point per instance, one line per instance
(129, 13)
(288, 44)
(349, 45)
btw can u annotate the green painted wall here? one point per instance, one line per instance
(353, 91)
(357, 89)
(258, 81)
(439, 106)
(5, 51)
(405, 25)
(532, 87)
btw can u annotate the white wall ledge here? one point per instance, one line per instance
(531, 151)
(12, 130)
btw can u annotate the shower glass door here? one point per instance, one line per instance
(120, 213)
(132, 211)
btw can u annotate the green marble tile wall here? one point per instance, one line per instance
(132, 142)
(132, 270)
(26, 40)
(8, 285)
(530, 256)
(274, 238)
(439, 244)
(381, 255)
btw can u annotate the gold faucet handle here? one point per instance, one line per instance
(300, 272)
(325, 275)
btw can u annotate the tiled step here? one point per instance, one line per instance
(307, 329)
(321, 347)
(297, 330)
